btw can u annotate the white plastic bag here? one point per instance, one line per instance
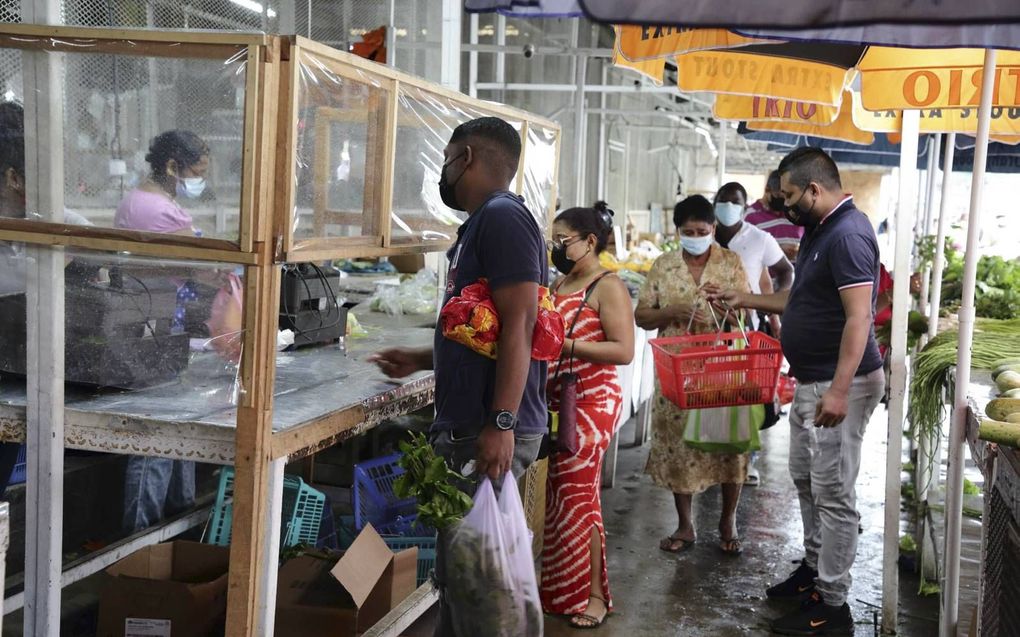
(491, 587)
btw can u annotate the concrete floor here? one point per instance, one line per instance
(704, 593)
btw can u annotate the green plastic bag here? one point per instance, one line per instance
(725, 429)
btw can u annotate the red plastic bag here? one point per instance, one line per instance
(787, 388)
(471, 320)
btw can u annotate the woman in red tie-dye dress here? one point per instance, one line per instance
(574, 577)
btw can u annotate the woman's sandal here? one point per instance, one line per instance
(673, 544)
(590, 622)
(731, 546)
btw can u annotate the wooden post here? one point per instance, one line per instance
(388, 163)
(250, 562)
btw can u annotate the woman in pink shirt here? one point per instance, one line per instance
(159, 487)
(179, 160)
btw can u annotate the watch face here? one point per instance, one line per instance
(505, 420)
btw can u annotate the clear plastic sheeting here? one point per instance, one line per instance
(145, 337)
(540, 173)
(152, 132)
(425, 122)
(341, 125)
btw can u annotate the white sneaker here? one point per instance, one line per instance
(753, 478)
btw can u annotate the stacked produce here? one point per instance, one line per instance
(1002, 424)
(996, 347)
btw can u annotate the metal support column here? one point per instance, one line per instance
(939, 263)
(267, 597)
(500, 69)
(580, 132)
(473, 57)
(450, 44)
(905, 214)
(391, 34)
(958, 426)
(934, 150)
(722, 153)
(601, 179)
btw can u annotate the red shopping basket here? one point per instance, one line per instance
(708, 370)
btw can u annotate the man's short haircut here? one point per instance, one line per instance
(810, 164)
(731, 187)
(12, 138)
(494, 139)
(772, 183)
(693, 208)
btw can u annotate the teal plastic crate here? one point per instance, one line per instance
(426, 553)
(301, 518)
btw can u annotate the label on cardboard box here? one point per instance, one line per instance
(146, 627)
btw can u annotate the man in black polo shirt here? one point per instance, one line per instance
(490, 415)
(830, 344)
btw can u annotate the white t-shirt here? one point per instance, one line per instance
(758, 251)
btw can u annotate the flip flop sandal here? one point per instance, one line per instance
(668, 544)
(731, 547)
(594, 622)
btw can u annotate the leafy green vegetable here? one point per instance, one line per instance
(428, 479)
(969, 488)
(907, 544)
(997, 294)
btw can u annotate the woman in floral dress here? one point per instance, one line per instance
(597, 306)
(670, 300)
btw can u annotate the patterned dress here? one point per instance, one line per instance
(573, 504)
(671, 463)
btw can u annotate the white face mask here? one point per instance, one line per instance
(190, 187)
(696, 246)
(728, 214)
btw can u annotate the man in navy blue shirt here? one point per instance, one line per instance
(490, 415)
(830, 344)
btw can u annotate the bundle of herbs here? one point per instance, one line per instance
(427, 478)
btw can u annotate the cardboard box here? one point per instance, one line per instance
(177, 589)
(320, 596)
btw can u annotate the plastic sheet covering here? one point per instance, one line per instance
(163, 335)
(425, 122)
(113, 107)
(339, 149)
(540, 173)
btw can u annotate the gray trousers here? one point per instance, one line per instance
(824, 463)
(458, 452)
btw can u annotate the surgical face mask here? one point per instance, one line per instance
(696, 246)
(190, 187)
(447, 190)
(728, 214)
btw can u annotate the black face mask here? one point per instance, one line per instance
(447, 191)
(797, 215)
(777, 204)
(560, 259)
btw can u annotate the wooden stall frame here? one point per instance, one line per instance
(361, 70)
(265, 236)
(148, 43)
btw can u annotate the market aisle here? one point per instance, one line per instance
(705, 594)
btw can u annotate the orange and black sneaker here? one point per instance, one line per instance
(814, 617)
(800, 583)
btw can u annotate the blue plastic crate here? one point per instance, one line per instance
(303, 508)
(374, 500)
(426, 553)
(20, 467)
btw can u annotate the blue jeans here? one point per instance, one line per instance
(155, 488)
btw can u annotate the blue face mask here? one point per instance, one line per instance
(728, 214)
(190, 187)
(696, 246)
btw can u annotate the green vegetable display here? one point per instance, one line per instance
(997, 294)
(432, 483)
(932, 381)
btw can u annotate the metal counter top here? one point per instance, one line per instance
(321, 396)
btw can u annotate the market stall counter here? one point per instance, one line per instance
(335, 393)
